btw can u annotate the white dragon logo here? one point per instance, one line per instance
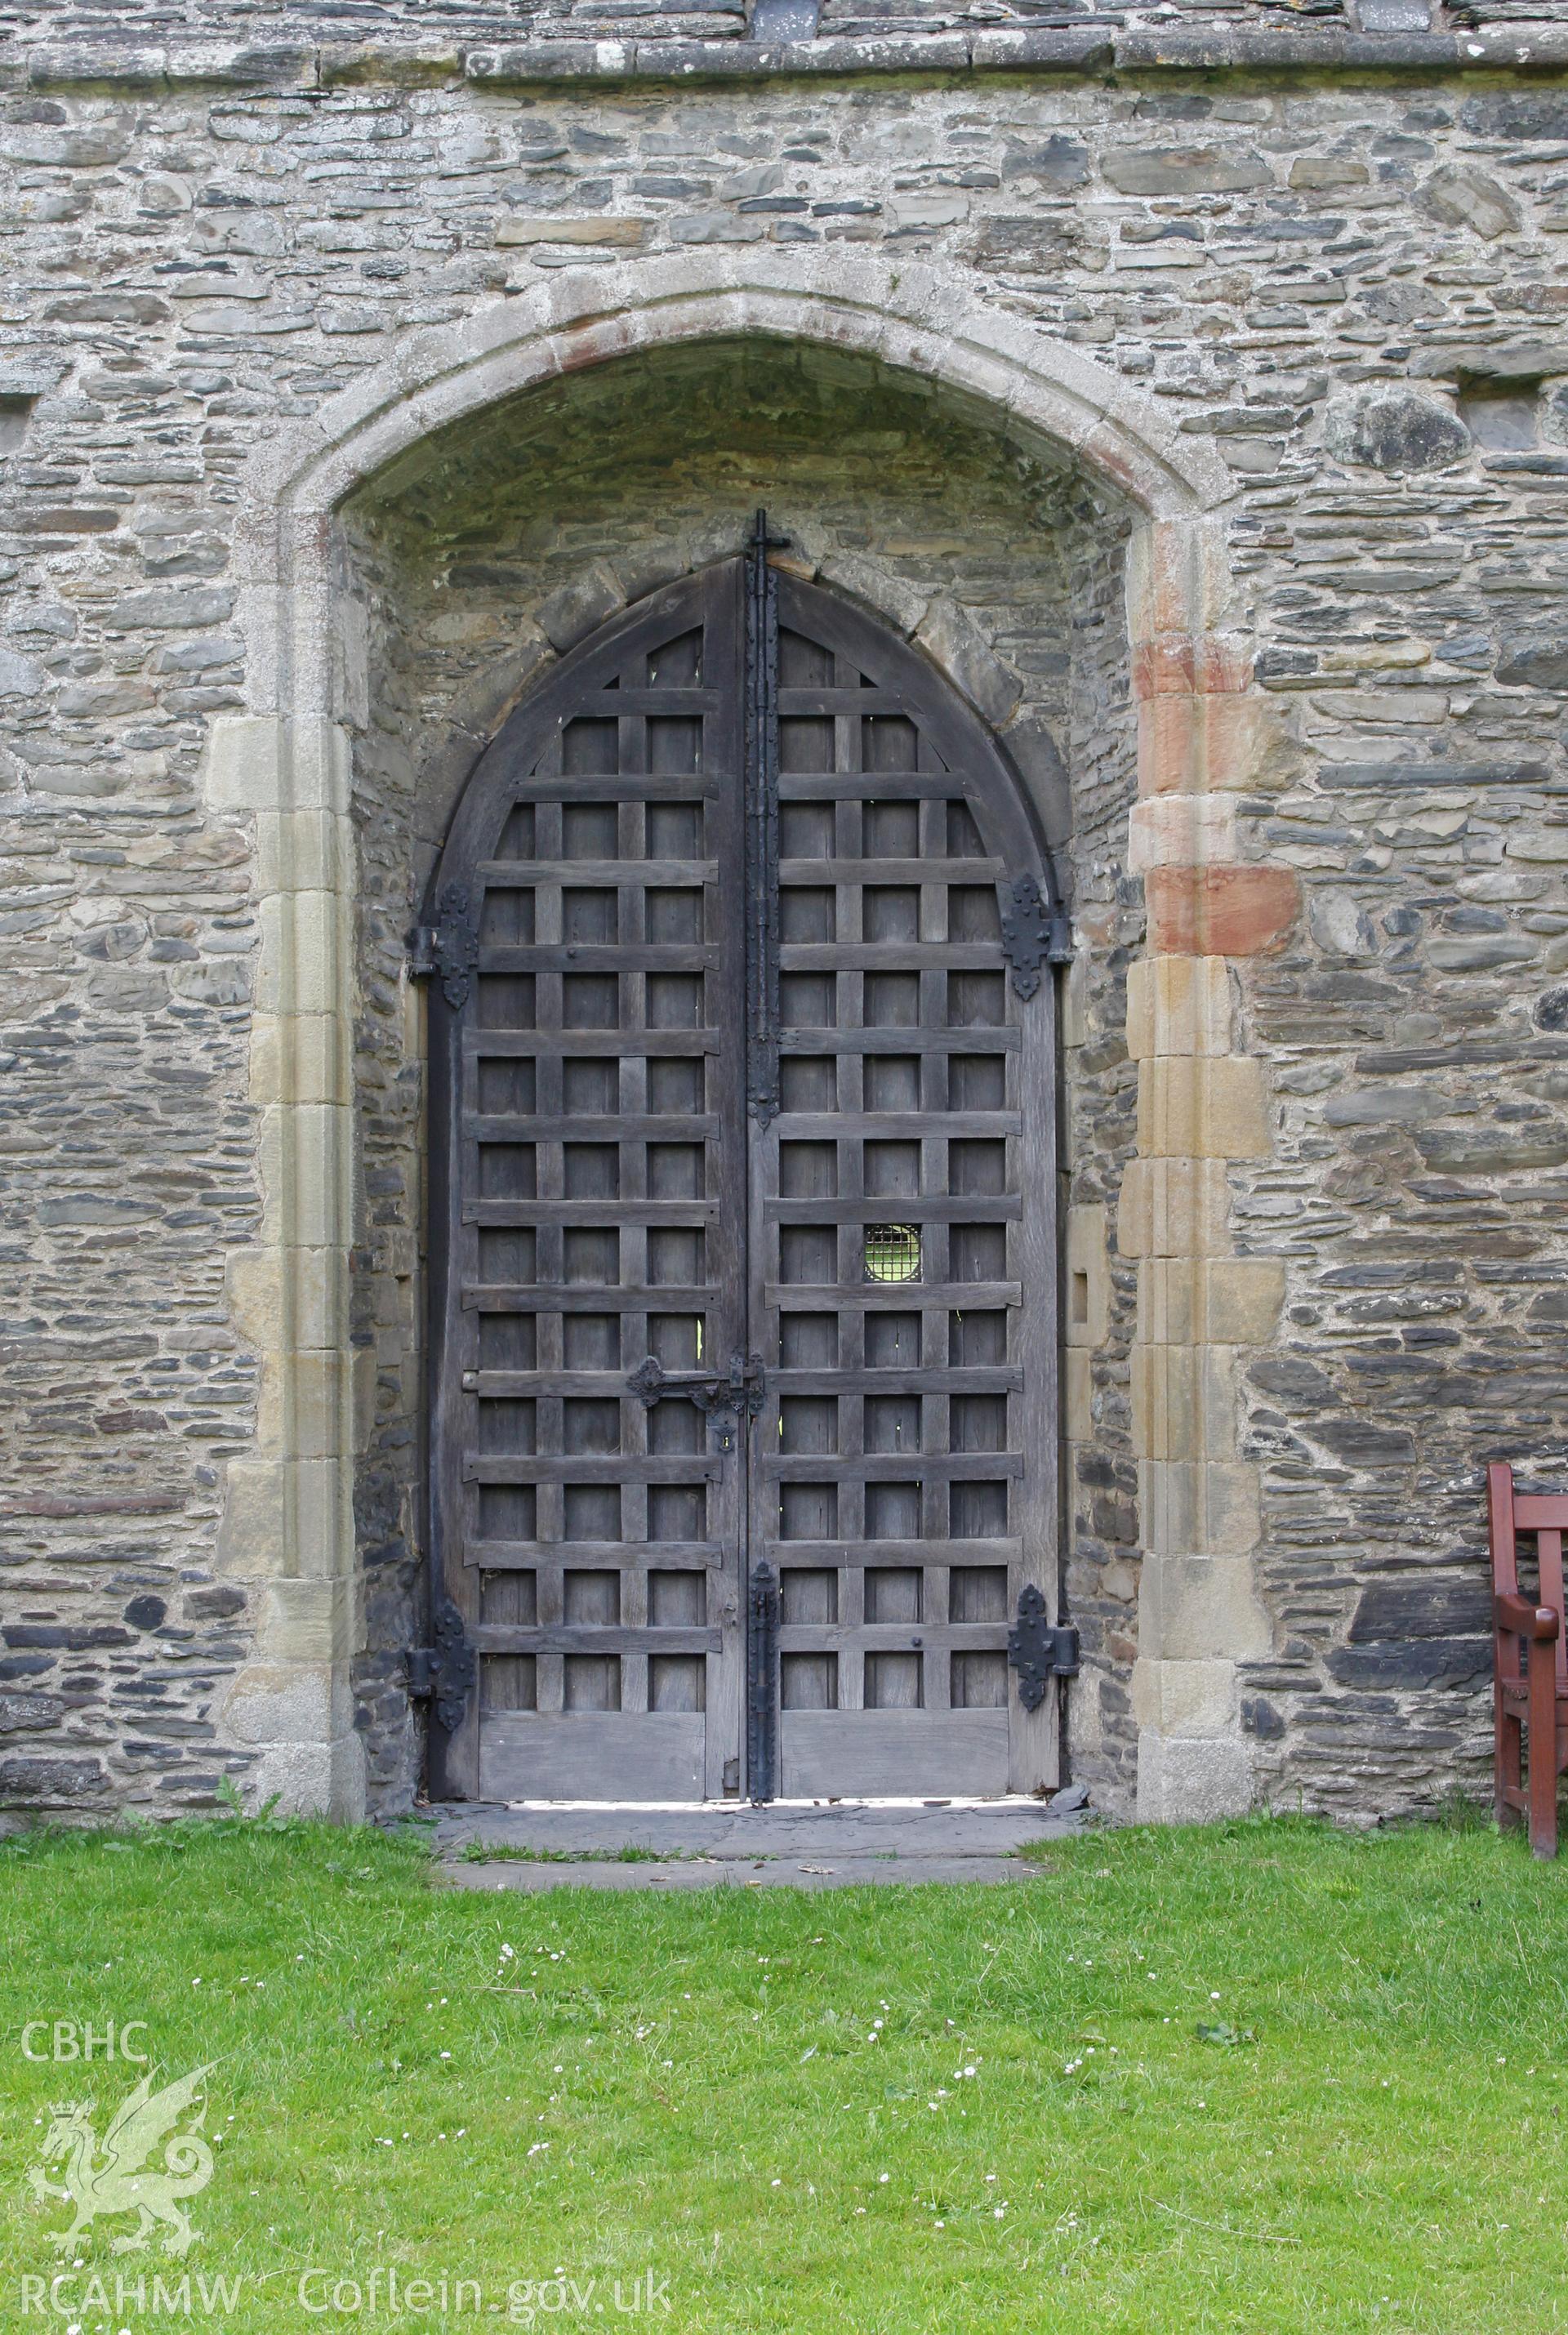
(114, 2181)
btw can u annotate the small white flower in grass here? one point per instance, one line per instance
(882, 2178)
(997, 2212)
(446, 2055)
(774, 2185)
(1215, 1996)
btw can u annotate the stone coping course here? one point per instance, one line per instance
(1090, 47)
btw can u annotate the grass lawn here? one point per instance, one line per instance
(1260, 2077)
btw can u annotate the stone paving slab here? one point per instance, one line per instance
(801, 1845)
(533, 1879)
(811, 1828)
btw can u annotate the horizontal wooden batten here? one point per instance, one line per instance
(888, 1467)
(597, 957)
(515, 1214)
(584, 1297)
(893, 1297)
(618, 1042)
(592, 1638)
(911, 1125)
(603, 875)
(634, 1556)
(591, 1467)
(959, 1208)
(606, 1127)
(677, 698)
(888, 956)
(939, 1379)
(976, 1038)
(891, 1637)
(905, 871)
(616, 787)
(812, 1555)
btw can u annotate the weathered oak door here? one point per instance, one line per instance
(743, 1247)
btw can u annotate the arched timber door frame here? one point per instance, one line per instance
(724, 1047)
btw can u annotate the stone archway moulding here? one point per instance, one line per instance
(285, 762)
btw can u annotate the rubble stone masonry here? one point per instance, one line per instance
(1189, 382)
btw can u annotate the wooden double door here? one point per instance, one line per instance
(743, 1451)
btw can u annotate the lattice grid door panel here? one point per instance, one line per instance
(599, 1217)
(901, 1483)
(876, 1261)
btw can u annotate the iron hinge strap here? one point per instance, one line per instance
(450, 948)
(445, 1672)
(1040, 1649)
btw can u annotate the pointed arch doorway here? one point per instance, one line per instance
(743, 1252)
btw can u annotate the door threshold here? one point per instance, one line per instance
(1016, 1801)
(725, 1831)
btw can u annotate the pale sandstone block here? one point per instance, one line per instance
(318, 1404)
(1185, 1698)
(1191, 1607)
(319, 1518)
(301, 1057)
(1178, 1005)
(1202, 1109)
(306, 1154)
(1184, 1404)
(1207, 1506)
(311, 1779)
(1182, 830)
(1173, 1207)
(1078, 1393)
(253, 1535)
(307, 953)
(310, 1620)
(290, 1298)
(262, 761)
(1184, 1780)
(1088, 1276)
(304, 851)
(1191, 1300)
(273, 1701)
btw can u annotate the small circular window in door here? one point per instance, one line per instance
(891, 1253)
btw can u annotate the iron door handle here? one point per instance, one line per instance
(724, 1396)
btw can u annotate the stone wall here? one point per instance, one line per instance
(1343, 283)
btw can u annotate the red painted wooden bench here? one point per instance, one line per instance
(1531, 1660)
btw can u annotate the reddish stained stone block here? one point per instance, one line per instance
(1220, 911)
(1203, 663)
(1208, 744)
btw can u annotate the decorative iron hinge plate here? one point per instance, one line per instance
(1034, 932)
(444, 1674)
(450, 948)
(1039, 1648)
